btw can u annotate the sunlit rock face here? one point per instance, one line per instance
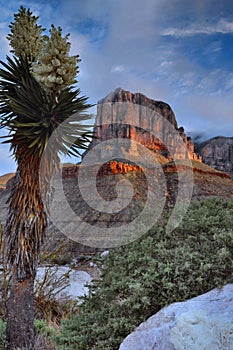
(218, 153)
(133, 116)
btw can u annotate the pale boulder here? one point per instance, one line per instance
(201, 323)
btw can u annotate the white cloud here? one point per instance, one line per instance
(223, 26)
(211, 114)
(7, 163)
(79, 43)
(165, 64)
(118, 68)
(4, 44)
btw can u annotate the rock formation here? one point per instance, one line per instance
(151, 124)
(122, 114)
(204, 322)
(217, 153)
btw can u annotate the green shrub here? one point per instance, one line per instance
(43, 335)
(41, 328)
(141, 278)
(3, 342)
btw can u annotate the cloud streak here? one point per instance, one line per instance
(223, 26)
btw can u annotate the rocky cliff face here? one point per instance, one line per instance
(122, 114)
(217, 153)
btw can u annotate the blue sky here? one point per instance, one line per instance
(177, 51)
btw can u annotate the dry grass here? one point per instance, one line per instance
(43, 343)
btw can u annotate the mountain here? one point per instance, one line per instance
(137, 141)
(217, 153)
(139, 119)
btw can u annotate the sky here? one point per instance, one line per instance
(176, 51)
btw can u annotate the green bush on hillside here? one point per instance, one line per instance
(3, 342)
(141, 278)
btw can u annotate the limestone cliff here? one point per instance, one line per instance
(148, 122)
(217, 153)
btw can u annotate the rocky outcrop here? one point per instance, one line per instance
(217, 153)
(204, 322)
(133, 116)
(112, 167)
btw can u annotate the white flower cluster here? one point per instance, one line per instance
(25, 38)
(55, 68)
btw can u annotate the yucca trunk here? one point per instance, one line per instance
(24, 232)
(20, 323)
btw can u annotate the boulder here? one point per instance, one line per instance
(74, 281)
(201, 323)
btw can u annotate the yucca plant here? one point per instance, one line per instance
(36, 96)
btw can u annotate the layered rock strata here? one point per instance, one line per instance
(124, 115)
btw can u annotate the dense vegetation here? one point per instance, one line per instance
(141, 278)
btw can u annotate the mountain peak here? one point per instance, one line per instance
(142, 125)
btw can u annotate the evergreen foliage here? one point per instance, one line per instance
(157, 270)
